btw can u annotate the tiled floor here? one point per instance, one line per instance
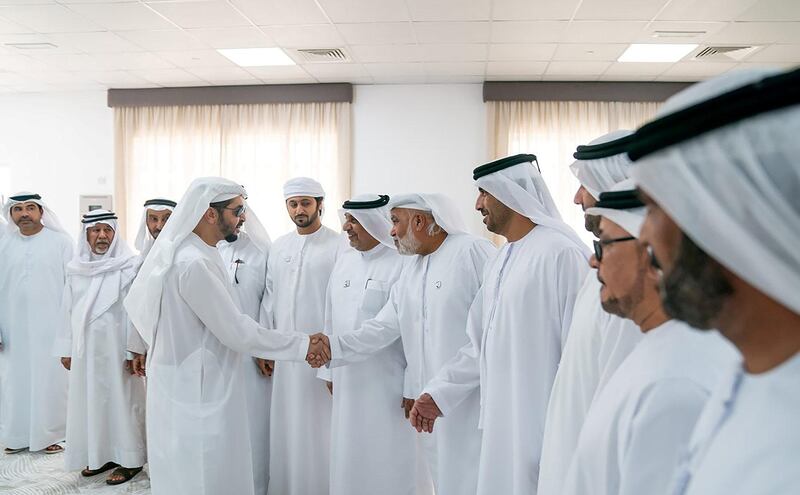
(40, 474)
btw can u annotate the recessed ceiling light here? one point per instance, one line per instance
(661, 52)
(256, 57)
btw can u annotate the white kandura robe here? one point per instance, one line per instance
(106, 405)
(747, 439)
(300, 416)
(377, 452)
(428, 309)
(597, 344)
(517, 325)
(640, 423)
(198, 435)
(33, 384)
(252, 276)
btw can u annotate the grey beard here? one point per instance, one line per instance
(695, 289)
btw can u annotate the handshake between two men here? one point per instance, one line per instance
(422, 413)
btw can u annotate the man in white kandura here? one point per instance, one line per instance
(427, 310)
(377, 453)
(198, 439)
(640, 422)
(598, 341)
(245, 254)
(105, 409)
(300, 264)
(724, 223)
(517, 326)
(154, 218)
(34, 253)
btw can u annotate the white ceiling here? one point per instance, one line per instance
(142, 43)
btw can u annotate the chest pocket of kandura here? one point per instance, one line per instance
(375, 295)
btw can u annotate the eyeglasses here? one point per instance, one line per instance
(239, 210)
(598, 245)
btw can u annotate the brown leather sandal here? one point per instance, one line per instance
(126, 473)
(102, 469)
(10, 451)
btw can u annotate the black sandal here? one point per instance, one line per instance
(102, 469)
(126, 473)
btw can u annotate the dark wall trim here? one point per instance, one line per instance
(580, 91)
(231, 95)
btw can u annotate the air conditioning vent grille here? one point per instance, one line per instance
(323, 55)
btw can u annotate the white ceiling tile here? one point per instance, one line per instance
(513, 77)
(48, 18)
(453, 52)
(169, 40)
(603, 31)
(200, 14)
(12, 79)
(386, 53)
(570, 77)
(116, 79)
(401, 79)
(449, 10)
(704, 10)
(13, 62)
(33, 87)
(557, 68)
(304, 79)
(636, 69)
(70, 61)
(167, 76)
(217, 75)
(12, 27)
(528, 31)
(122, 16)
(384, 71)
(766, 65)
(276, 12)
(334, 70)
(236, 37)
(521, 51)
(392, 33)
(196, 58)
(365, 10)
(533, 10)
(447, 79)
(595, 51)
(516, 68)
(772, 10)
(626, 77)
(306, 36)
(640, 10)
(283, 72)
(778, 54)
(132, 61)
(94, 42)
(7, 40)
(758, 33)
(69, 2)
(59, 77)
(455, 68)
(696, 69)
(452, 32)
(681, 31)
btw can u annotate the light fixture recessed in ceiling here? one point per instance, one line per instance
(256, 57)
(656, 52)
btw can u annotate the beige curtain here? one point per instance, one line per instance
(159, 150)
(552, 130)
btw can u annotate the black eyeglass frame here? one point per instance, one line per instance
(598, 245)
(238, 211)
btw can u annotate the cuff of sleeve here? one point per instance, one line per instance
(325, 374)
(336, 352)
(128, 356)
(62, 348)
(440, 398)
(302, 349)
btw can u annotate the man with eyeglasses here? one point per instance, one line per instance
(245, 254)
(641, 421)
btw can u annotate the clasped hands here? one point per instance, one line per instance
(319, 350)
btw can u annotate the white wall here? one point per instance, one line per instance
(406, 138)
(420, 138)
(58, 144)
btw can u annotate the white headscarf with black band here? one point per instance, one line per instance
(517, 183)
(722, 160)
(144, 298)
(110, 273)
(144, 239)
(49, 219)
(372, 213)
(603, 163)
(622, 206)
(443, 209)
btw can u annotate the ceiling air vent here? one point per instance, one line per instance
(323, 55)
(725, 53)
